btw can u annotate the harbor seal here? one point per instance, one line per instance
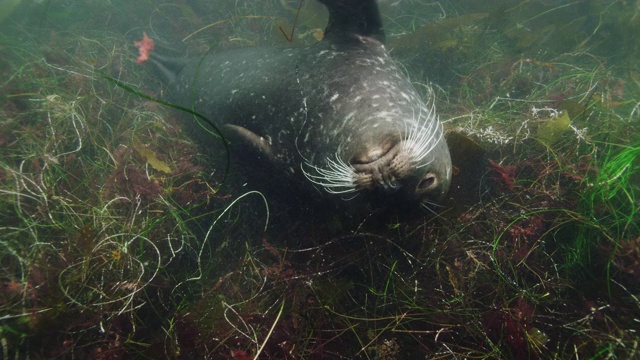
(339, 115)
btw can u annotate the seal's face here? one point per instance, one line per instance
(403, 168)
(403, 165)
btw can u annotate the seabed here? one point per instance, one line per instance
(119, 238)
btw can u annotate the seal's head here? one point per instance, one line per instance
(414, 166)
(402, 162)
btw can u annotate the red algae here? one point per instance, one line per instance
(145, 46)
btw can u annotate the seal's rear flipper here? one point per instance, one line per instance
(167, 67)
(360, 17)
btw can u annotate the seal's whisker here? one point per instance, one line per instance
(421, 140)
(337, 178)
(428, 205)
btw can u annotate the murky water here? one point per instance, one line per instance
(120, 237)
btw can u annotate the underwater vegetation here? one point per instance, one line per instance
(120, 238)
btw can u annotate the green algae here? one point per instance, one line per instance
(551, 130)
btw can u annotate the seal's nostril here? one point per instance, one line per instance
(368, 157)
(369, 154)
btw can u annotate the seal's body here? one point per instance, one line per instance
(339, 115)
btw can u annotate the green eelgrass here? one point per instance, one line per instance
(608, 207)
(437, 299)
(79, 244)
(198, 117)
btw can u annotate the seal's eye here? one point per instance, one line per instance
(428, 183)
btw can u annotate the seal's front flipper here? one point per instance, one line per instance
(470, 162)
(261, 144)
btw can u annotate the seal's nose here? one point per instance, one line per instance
(377, 147)
(376, 169)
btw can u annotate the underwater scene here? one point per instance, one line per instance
(137, 226)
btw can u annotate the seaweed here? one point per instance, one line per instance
(117, 239)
